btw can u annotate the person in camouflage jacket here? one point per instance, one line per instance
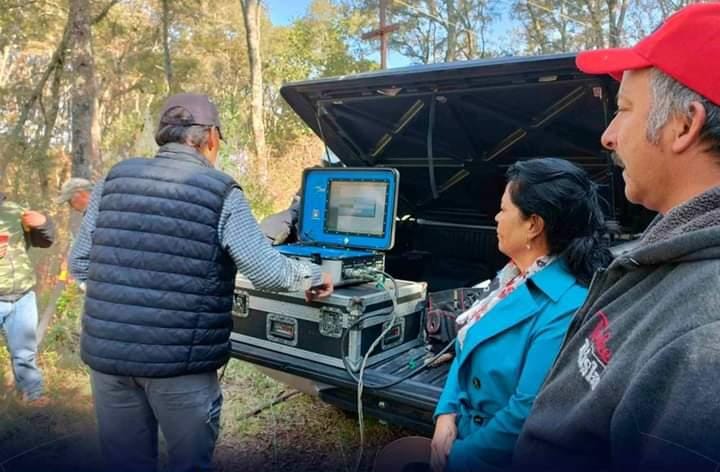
(19, 230)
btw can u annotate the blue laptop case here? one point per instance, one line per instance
(346, 210)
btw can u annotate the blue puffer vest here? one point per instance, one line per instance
(159, 288)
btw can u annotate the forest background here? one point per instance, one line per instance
(81, 82)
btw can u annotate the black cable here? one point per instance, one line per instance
(222, 373)
(431, 163)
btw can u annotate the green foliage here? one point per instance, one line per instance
(63, 334)
(316, 45)
(430, 31)
(69, 304)
(208, 54)
(551, 26)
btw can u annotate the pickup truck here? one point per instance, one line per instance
(451, 130)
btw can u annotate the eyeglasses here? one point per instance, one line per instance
(218, 131)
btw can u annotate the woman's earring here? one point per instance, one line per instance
(528, 246)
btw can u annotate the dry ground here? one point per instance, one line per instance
(298, 435)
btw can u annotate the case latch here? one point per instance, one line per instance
(241, 305)
(331, 319)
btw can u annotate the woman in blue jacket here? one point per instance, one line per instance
(549, 225)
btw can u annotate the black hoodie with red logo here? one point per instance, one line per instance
(637, 383)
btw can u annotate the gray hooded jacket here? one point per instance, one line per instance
(637, 383)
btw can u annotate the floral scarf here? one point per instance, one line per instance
(510, 278)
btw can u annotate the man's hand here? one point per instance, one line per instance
(321, 291)
(32, 219)
(445, 434)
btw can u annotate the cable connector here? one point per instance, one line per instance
(361, 273)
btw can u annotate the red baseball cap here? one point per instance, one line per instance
(686, 47)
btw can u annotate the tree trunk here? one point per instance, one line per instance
(44, 142)
(483, 33)
(616, 22)
(251, 15)
(96, 138)
(560, 22)
(433, 46)
(536, 31)
(166, 45)
(451, 51)
(84, 90)
(596, 24)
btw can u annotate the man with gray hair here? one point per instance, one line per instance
(636, 384)
(159, 248)
(76, 193)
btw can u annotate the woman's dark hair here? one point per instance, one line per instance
(563, 195)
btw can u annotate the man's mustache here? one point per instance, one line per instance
(616, 160)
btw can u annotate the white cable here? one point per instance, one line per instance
(361, 423)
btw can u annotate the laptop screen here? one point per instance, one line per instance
(357, 207)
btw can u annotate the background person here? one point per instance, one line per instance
(76, 193)
(19, 230)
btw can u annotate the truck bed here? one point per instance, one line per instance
(410, 403)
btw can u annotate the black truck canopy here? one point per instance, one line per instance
(453, 129)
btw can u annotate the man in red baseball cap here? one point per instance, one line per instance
(636, 384)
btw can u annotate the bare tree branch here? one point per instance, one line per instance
(103, 13)
(84, 128)
(57, 60)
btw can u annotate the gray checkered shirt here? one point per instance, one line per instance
(239, 235)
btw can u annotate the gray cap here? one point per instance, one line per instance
(201, 111)
(71, 186)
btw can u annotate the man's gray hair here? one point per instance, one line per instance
(195, 135)
(670, 98)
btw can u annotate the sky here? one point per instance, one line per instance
(283, 12)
